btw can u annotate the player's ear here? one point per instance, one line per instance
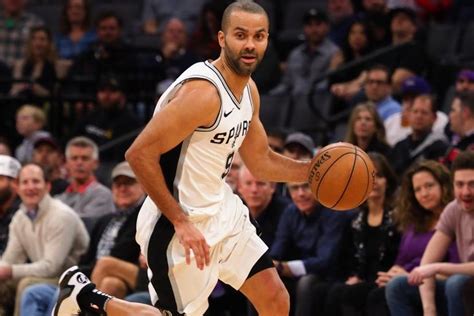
(221, 38)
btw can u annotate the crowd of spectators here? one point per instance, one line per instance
(73, 101)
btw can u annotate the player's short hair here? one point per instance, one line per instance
(84, 142)
(241, 5)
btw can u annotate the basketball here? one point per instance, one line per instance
(341, 176)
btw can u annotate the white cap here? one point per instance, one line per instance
(9, 166)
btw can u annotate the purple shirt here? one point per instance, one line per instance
(459, 225)
(412, 247)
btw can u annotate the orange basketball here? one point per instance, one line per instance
(341, 176)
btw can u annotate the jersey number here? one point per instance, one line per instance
(228, 165)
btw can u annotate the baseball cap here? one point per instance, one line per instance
(300, 139)
(9, 166)
(123, 169)
(315, 15)
(415, 86)
(466, 74)
(109, 82)
(47, 140)
(403, 10)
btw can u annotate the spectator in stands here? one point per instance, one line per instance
(357, 43)
(299, 146)
(108, 55)
(16, 25)
(378, 90)
(405, 60)
(461, 119)
(276, 139)
(443, 296)
(9, 202)
(422, 143)
(397, 125)
(203, 41)
(30, 121)
(110, 121)
(38, 66)
(410, 60)
(307, 244)
(156, 14)
(48, 154)
(112, 241)
(310, 59)
(76, 34)
(264, 206)
(46, 237)
(174, 57)
(341, 15)
(426, 189)
(375, 12)
(365, 129)
(232, 178)
(89, 198)
(375, 242)
(464, 83)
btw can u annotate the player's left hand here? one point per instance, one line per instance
(420, 273)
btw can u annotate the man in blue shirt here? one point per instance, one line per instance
(307, 244)
(378, 89)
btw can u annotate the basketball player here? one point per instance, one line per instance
(192, 229)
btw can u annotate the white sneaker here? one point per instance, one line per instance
(72, 281)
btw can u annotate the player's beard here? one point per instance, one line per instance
(233, 60)
(5, 195)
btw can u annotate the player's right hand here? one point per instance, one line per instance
(192, 239)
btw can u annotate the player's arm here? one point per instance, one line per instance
(263, 162)
(195, 104)
(434, 252)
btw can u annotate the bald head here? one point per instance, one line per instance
(241, 5)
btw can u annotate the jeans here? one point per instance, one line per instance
(404, 299)
(38, 300)
(139, 297)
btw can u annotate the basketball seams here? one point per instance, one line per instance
(326, 171)
(349, 179)
(368, 177)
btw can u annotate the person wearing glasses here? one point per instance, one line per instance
(378, 90)
(307, 244)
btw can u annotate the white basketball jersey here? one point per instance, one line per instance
(195, 170)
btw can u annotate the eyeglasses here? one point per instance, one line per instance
(375, 81)
(295, 187)
(463, 80)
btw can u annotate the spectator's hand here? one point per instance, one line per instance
(353, 280)
(420, 273)
(384, 277)
(192, 239)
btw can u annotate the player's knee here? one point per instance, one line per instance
(279, 301)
